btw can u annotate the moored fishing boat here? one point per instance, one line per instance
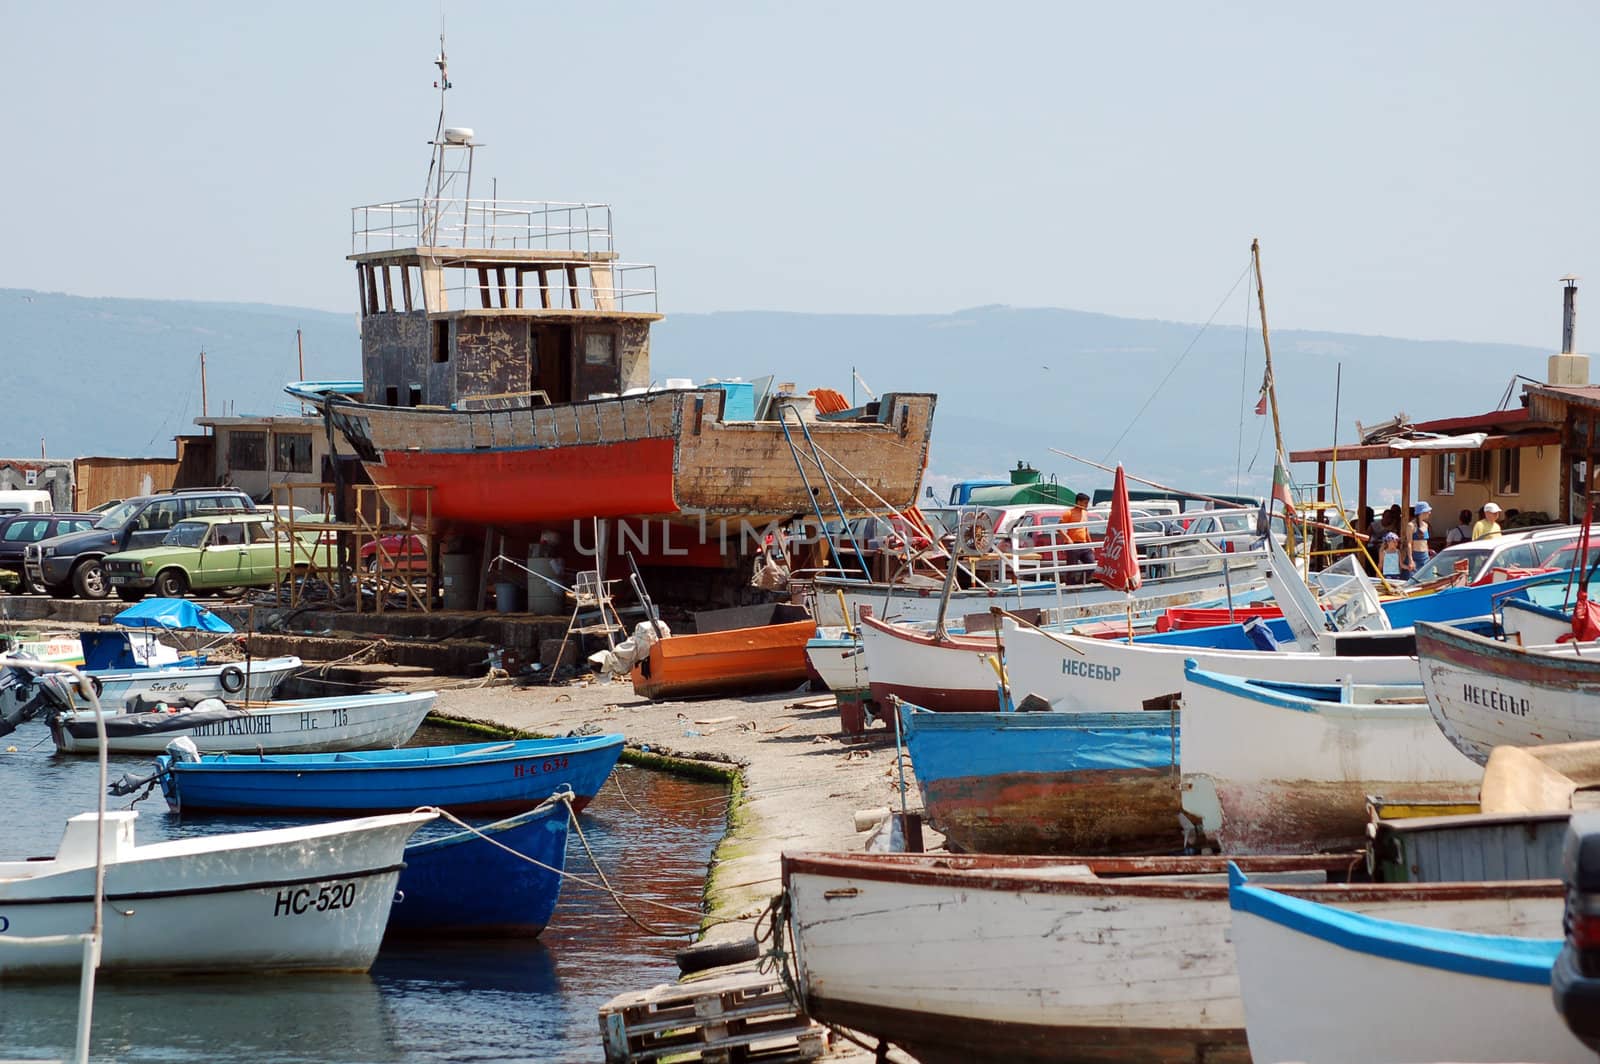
(1485, 693)
(1104, 783)
(1285, 767)
(470, 778)
(293, 726)
(836, 657)
(498, 879)
(1081, 959)
(1421, 992)
(311, 897)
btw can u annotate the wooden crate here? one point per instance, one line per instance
(743, 1016)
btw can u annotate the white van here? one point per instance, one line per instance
(25, 502)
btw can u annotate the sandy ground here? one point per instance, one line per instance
(803, 782)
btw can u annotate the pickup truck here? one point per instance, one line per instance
(212, 554)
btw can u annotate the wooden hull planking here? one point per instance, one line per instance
(1269, 772)
(1072, 968)
(1484, 693)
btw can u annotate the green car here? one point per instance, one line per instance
(210, 554)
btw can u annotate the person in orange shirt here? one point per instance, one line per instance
(1077, 516)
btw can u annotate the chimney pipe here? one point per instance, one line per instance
(1569, 314)
(1569, 369)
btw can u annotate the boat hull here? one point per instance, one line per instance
(491, 778)
(257, 683)
(838, 660)
(1485, 693)
(1069, 968)
(920, 604)
(466, 885)
(1048, 782)
(1270, 772)
(309, 725)
(947, 673)
(1103, 675)
(738, 661)
(666, 454)
(1302, 983)
(294, 899)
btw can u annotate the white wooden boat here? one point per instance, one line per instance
(254, 681)
(919, 603)
(313, 897)
(942, 672)
(836, 655)
(963, 958)
(295, 726)
(1485, 693)
(1287, 767)
(1329, 987)
(1076, 672)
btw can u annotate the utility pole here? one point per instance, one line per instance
(202, 382)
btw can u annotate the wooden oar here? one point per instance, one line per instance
(1000, 611)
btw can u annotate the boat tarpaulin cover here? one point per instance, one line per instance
(172, 613)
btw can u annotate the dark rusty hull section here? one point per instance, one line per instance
(938, 1039)
(1122, 811)
(1307, 816)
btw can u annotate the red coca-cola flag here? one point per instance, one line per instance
(1116, 560)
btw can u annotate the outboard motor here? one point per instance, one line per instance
(1575, 979)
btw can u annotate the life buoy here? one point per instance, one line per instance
(96, 686)
(232, 679)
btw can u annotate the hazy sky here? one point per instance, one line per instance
(1413, 170)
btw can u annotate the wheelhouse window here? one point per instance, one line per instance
(292, 452)
(599, 349)
(247, 450)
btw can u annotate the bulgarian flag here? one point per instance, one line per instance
(1280, 486)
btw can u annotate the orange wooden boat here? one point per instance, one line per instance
(739, 661)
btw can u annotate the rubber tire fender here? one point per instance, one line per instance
(232, 679)
(715, 955)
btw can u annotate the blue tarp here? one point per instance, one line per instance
(174, 614)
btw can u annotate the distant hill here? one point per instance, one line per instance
(121, 376)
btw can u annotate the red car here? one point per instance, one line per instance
(399, 552)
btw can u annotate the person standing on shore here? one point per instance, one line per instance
(1414, 547)
(1462, 533)
(1488, 527)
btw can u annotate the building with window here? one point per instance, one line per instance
(257, 453)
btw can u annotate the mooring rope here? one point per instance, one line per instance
(603, 884)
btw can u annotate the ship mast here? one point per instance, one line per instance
(1279, 457)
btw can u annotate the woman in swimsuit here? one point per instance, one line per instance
(1417, 536)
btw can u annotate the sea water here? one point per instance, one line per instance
(502, 1000)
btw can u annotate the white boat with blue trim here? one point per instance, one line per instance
(312, 897)
(1327, 986)
(1286, 767)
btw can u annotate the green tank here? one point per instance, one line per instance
(1027, 488)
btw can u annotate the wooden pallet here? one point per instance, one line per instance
(743, 1016)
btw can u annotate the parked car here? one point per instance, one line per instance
(401, 552)
(19, 530)
(1526, 551)
(71, 564)
(1575, 979)
(210, 554)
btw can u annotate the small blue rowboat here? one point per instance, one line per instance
(503, 777)
(1101, 783)
(468, 884)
